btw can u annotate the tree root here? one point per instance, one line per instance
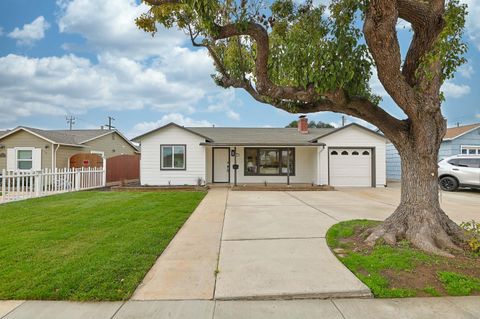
(429, 230)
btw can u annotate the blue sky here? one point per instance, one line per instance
(85, 58)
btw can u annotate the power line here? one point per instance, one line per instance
(70, 121)
(109, 125)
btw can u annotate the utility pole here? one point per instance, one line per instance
(109, 125)
(343, 120)
(70, 121)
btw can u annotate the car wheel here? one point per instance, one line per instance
(448, 184)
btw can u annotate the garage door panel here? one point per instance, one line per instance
(350, 169)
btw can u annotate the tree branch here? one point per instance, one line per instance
(427, 23)
(381, 37)
(160, 2)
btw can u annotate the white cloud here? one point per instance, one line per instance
(224, 102)
(472, 26)
(177, 118)
(30, 32)
(453, 90)
(403, 25)
(466, 71)
(376, 85)
(69, 84)
(132, 69)
(233, 115)
(108, 26)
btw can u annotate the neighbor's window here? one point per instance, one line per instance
(173, 156)
(24, 159)
(470, 150)
(269, 161)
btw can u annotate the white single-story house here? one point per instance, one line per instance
(352, 155)
(461, 139)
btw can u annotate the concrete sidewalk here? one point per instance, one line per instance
(186, 269)
(411, 308)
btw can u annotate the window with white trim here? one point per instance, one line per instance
(469, 150)
(24, 159)
(173, 157)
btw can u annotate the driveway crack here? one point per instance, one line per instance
(311, 206)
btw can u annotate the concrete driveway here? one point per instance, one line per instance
(271, 245)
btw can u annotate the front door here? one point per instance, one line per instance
(221, 165)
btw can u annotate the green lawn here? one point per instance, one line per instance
(402, 271)
(86, 245)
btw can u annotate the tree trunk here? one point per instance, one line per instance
(419, 217)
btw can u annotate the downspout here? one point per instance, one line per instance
(55, 157)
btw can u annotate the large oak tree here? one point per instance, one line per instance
(306, 58)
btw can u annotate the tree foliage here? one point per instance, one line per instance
(311, 124)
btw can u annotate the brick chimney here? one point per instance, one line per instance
(303, 124)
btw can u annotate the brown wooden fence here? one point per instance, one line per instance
(123, 168)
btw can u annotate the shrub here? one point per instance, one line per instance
(472, 235)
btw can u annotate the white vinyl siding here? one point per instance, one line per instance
(150, 163)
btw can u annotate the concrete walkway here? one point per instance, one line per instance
(186, 269)
(414, 308)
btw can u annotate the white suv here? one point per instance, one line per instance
(459, 171)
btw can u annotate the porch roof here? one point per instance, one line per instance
(262, 144)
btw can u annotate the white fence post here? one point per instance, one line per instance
(4, 174)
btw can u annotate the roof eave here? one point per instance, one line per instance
(346, 126)
(261, 144)
(139, 138)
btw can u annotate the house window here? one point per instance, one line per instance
(470, 150)
(173, 157)
(334, 153)
(24, 159)
(269, 161)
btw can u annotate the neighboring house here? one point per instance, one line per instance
(458, 140)
(348, 156)
(26, 148)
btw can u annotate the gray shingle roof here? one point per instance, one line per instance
(69, 137)
(3, 133)
(238, 136)
(267, 136)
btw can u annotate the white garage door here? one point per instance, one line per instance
(350, 167)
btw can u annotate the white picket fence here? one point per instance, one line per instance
(18, 185)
